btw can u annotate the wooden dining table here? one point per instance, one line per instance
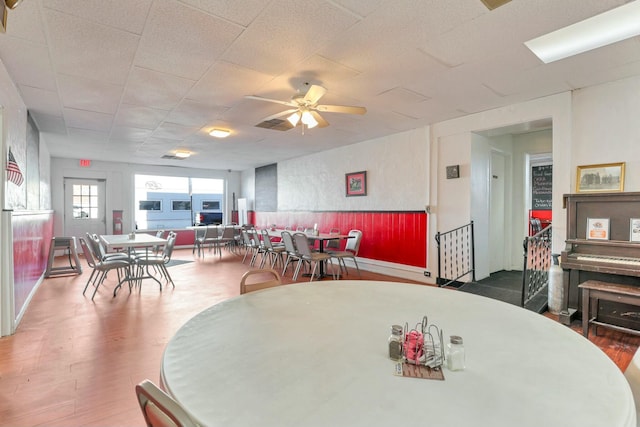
(130, 242)
(314, 355)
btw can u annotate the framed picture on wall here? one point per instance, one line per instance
(605, 177)
(356, 183)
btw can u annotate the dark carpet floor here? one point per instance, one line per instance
(504, 286)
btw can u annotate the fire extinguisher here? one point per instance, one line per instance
(117, 226)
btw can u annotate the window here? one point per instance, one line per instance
(171, 202)
(180, 205)
(85, 201)
(150, 205)
(213, 205)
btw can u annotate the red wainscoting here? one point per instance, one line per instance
(393, 236)
(32, 232)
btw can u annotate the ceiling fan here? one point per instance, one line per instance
(305, 109)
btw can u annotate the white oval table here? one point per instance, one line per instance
(315, 354)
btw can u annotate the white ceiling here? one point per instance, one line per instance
(135, 80)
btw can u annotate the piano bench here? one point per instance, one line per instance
(594, 290)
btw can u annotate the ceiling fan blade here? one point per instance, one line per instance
(341, 109)
(314, 94)
(259, 98)
(322, 123)
(280, 114)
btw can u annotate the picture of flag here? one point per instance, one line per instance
(13, 170)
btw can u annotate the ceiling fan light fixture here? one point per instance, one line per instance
(294, 118)
(220, 133)
(601, 30)
(309, 120)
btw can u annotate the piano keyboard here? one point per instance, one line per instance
(608, 259)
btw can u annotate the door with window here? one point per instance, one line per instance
(84, 201)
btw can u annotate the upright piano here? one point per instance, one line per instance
(609, 256)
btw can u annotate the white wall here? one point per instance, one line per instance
(120, 185)
(606, 123)
(397, 176)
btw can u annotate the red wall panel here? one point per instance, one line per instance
(393, 236)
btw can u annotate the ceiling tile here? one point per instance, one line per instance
(156, 90)
(28, 63)
(88, 120)
(87, 49)
(183, 41)
(139, 117)
(129, 16)
(41, 101)
(85, 94)
(242, 13)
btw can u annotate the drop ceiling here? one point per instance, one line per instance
(138, 80)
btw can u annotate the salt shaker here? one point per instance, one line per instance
(395, 343)
(455, 354)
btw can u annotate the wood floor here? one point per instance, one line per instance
(74, 362)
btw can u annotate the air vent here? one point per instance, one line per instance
(275, 124)
(492, 4)
(171, 157)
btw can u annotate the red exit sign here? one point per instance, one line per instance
(84, 163)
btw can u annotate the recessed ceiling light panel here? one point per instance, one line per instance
(219, 133)
(609, 27)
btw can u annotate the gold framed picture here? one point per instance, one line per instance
(605, 177)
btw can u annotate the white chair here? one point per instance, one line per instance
(263, 278)
(159, 409)
(351, 250)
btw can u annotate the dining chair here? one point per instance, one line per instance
(100, 252)
(291, 251)
(273, 251)
(312, 257)
(262, 278)
(159, 409)
(100, 268)
(198, 240)
(253, 244)
(350, 251)
(212, 238)
(158, 262)
(159, 235)
(333, 245)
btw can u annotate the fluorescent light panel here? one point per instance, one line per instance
(609, 27)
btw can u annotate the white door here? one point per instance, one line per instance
(497, 216)
(84, 207)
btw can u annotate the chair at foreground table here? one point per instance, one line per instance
(100, 268)
(159, 409)
(158, 262)
(306, 254)
(351, 250)
(262, 278)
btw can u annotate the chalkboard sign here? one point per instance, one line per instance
(541, 187)
(267, 188)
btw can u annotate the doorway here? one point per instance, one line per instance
(84, 206)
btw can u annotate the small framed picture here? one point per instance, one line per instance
(634, 230)
(605, 177)
(598, 228)
(356, 183)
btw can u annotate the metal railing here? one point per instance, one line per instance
(537, 261)
(455, 255)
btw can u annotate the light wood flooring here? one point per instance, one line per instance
(74, 362)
